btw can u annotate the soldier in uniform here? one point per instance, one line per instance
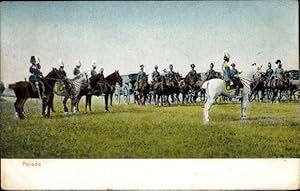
(193, 72)
(61, 68)
(155, 74)
(171, 74)
(234, 77)
(211, 73)
(140, 77)
(36, 74)
(278, 72)
(76, 70)
(164, 73)
(269, 71)
(93, 71)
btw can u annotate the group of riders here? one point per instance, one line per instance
(229, 74)
(36, 73)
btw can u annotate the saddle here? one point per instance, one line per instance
(230, 85)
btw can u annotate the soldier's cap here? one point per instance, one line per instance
(142, 66)
(171, 65)
(193, 65)
(269, 63)
(212, 64)
(94, 64)
(278, 61)
(155, 66)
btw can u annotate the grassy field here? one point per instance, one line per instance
(131, 131)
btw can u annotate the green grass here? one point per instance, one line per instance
(131, 131)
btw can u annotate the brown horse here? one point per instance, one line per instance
(24, 90)
(101, 86)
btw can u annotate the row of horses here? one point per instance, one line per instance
(271, 89)
(190, 87)
(73, 89)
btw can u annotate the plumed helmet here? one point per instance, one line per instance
(78, 63)
(193, 65)
(93, 64)
(37, 59)
(278, 61)
(32, 60)
(226, 55)
(60, 62)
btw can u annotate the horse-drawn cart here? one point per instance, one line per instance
(127, 88)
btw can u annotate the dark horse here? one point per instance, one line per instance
(99, 87)
(25, 90)
(142, 90)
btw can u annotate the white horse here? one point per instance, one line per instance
(215, 88)
(73, 92)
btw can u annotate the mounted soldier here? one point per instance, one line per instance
(228, 75)
(269, 71)
(76, 70)
(193, 72)
(61, 68)
(171, 74)
(140, 78)
(155, 74)
(211, 73)
(36, 75)
(278, 74)
(234, 75)
(93, 71)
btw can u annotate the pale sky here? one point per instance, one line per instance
(123, 35)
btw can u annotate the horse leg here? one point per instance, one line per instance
(90, 102)
(52, 103)
(17, 114)
(244, 107)
(65, 104)
(207, 106)
(106, 102)
(111, 97)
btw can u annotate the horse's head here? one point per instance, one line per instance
(55, 75)
(119, 79)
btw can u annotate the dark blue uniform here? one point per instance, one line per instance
(36, 74)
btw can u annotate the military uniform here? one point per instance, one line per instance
(93, 72)
(76, 71)
(269, 72)
(234, 72)
(36, 74)
(278, 73)
(211, 72)
(170, 75)
(226, 71)
(155, 75)
(62, 72)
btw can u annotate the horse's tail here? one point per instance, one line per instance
(12, 86)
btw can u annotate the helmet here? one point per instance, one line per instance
(155, 66)
(101, 69)
(212, 64)
(32, 60)
(171, 66)
(165, 70)
(269, 64)
(141, 66)
(60, 62)
(278, 61)
(78, 64)
(226, 55)
(37, 59)
(193, 65)
(94, 64)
